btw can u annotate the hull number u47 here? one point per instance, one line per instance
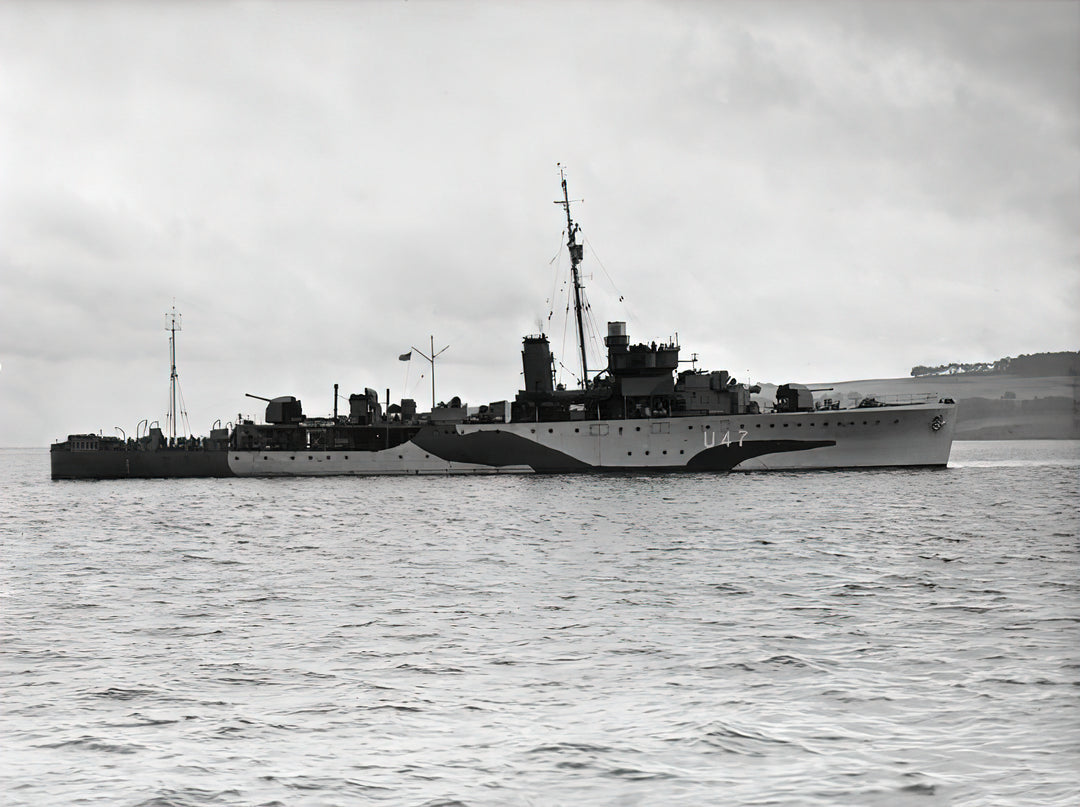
(708, 437)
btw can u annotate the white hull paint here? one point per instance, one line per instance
(867, 438)
(403, 460)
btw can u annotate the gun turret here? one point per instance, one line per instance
(283, 409)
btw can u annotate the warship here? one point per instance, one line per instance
(640, 413)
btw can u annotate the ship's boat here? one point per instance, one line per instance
(640, 413)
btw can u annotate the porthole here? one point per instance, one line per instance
(400, 456)
(757, 425)
(690, 427)
(785, 425)
(665, 451)
(772, 425)
(310, 457)
(533, 431)
(637, 428)
(799, 425)
(629, 453)
(864, 423)
(646, 453)
(551, 431)
(681, 451)
(576, 431)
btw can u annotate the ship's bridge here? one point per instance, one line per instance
(641, 370)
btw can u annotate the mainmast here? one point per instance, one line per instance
(172, 325)
(576, 254)
(431, 359)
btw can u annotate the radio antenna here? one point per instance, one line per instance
(172, 325)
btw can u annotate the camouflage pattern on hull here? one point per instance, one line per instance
(884, 437)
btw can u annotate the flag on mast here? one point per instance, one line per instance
(405, 356)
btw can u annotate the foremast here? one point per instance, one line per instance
(576, 255)
(172, 325)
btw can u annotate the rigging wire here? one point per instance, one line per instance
(416, 384)
(183, 407)
(568, 370)
(596, 257)
(590, 325)
(558, 252)
(177, 421)
(594, 335)
(593, 328)
(566, 322)
(622, 299)
(555, 280)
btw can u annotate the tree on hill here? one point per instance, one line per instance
(1036, 364)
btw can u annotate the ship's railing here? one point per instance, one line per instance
(871, 401)
(95, 442)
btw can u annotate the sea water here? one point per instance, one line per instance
(887, 637)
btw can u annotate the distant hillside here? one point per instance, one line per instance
(992, 407)
(1034, 365)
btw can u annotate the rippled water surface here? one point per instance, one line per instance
(852, 638)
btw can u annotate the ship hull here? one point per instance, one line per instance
(895, 436)
(164, 463)
(901, 436)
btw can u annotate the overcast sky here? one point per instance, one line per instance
(801, 191)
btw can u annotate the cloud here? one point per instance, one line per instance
(808, 190)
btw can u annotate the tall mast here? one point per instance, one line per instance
(576, 254)
(431, 359)
(172, 325)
